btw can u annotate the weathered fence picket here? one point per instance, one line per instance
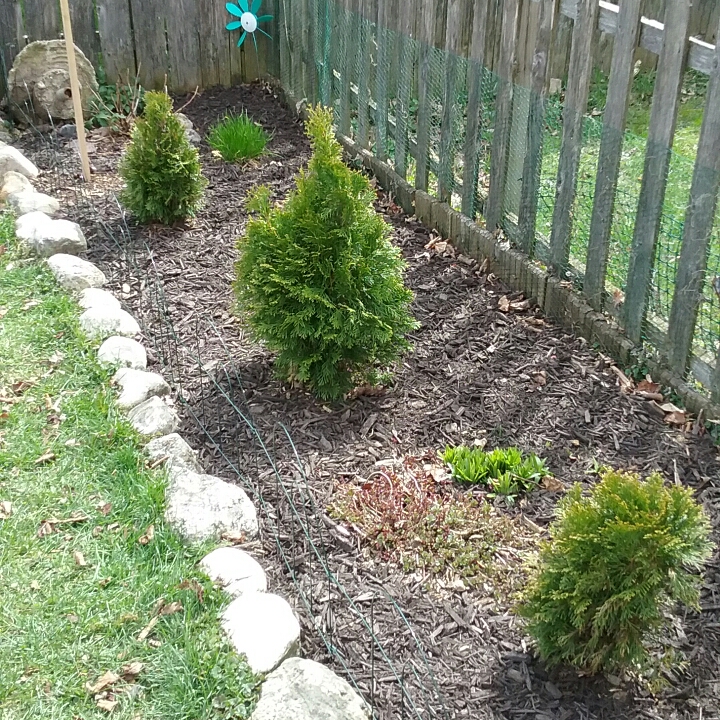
(616, 107)
(663, 117)
(576, 98)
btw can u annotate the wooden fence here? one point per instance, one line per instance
(181, 42)
(410, 83)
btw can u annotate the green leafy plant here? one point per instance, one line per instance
(617, 560)
(505, 471)
(116, 105)
(161, 170)
(237, 138)
(318, 278)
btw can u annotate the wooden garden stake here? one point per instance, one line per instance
(75, 89)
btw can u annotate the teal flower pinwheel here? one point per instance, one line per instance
(249, 19)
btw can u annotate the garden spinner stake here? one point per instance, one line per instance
(249, 20)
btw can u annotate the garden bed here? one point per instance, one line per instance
(476, 373)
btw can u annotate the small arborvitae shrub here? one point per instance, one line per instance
(161, 170)
(504, 471)
(238, 138)
(318, 278)
(617, 560)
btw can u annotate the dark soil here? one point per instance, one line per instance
(474, 373)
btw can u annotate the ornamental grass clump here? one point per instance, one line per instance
(161, 169)
(318, 279)
(238, 138)
(617, 560)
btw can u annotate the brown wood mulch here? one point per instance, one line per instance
(474, 373)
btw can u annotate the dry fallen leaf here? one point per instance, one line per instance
(105, 508)
(676, 418)
(34, 585)
(147, 629)
(132, 670)
(46, 528)
(172, 608)
(552, 484)
(195, 586)
(148, 536)
(80, 560)
(45, 457)
(56, 358)
(108, 705)
(30, 304)
(506, 306)
(5, 509)
(105, 680)
(648, 386)
(234, 538)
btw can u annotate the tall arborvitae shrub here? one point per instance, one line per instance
(318, 278)
(161, 169)
(617, 560)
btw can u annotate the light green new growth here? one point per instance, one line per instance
(238, 138)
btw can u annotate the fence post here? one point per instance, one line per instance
(699, 221)
(618, 96)
(425, 24)
(527, 214)
(503, 109)
(404, 89)
(475, 73)
(663, 117)
(576, 97)
(363, 75)
(381, 81)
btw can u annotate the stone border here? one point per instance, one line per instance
(260, 625)
(557, 299)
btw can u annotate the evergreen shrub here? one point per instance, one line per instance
(318, 279)
(161, 169)
(617, 560)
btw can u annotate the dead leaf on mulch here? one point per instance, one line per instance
(676, 418)
(148, 536)
(506, 305)
(649, 390)
(5, 509)
(552, 484)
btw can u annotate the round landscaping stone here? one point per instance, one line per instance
(176, 453)
(235, 571)
(11, 159)
(14, 182)
(123, 352)
(306, 690)
(96, 297)
(153, 418)
(204, 507)
(102, 322)
(137, 386)
(263, 628)
(75, 274)
(47, 237)
(28, 201)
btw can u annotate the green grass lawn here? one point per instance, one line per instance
(80, 578)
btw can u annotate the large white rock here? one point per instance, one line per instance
(153, 418)
(306, 690)
(177, 454)
(263, 628)
(11, 159)
(103, 322)
(123, 352)
(75, 274)
(47, 237)
(203, 507)
(235, 571)
(137, 386)
(28, 201)
(14, 182)
(97, 297)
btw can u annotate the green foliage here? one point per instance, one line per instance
(504, 470)
(238, 138)
(616, 561)
(318, 278)
(116, 105)
(160, 168)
